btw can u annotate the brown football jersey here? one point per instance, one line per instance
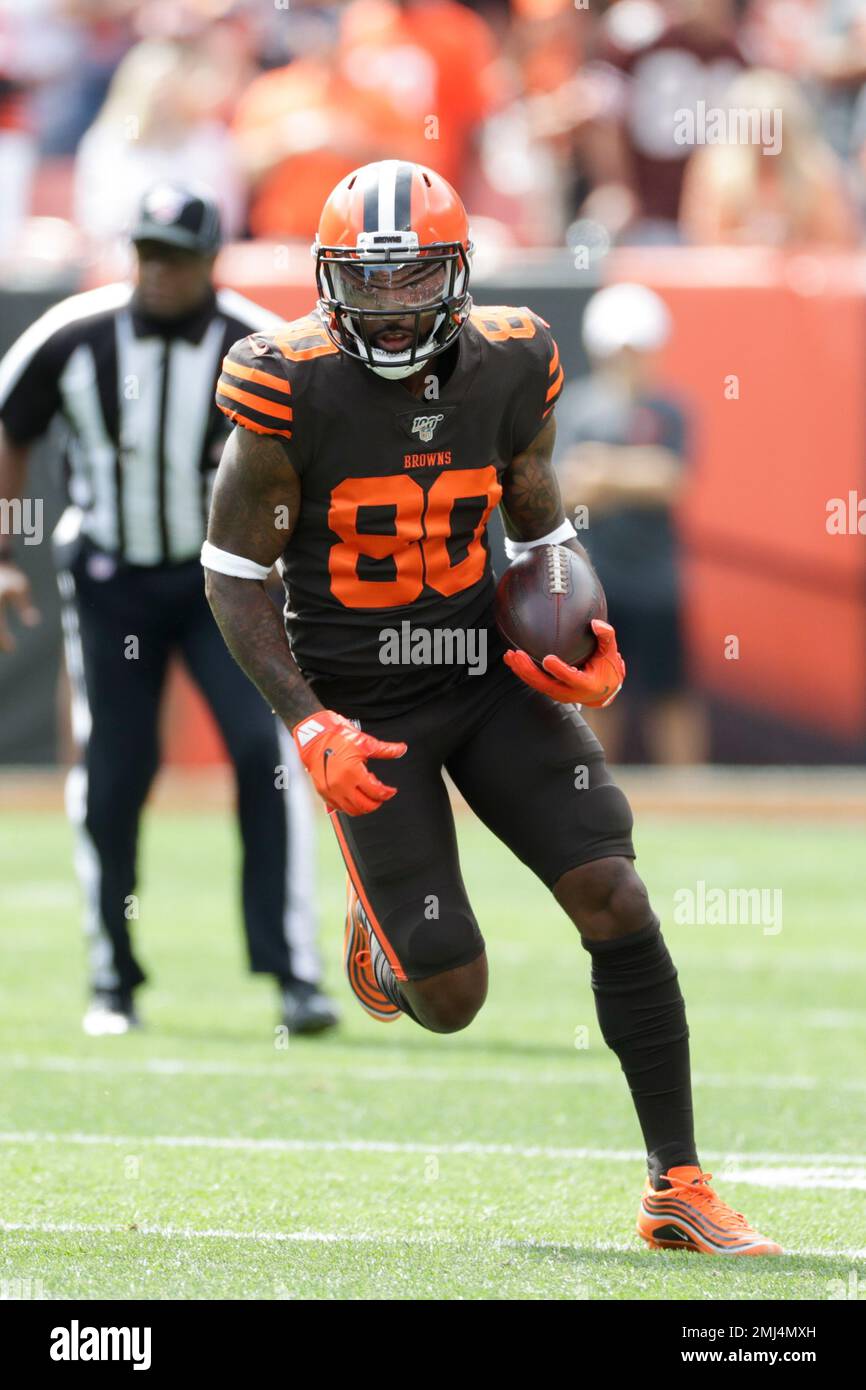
(387, 572)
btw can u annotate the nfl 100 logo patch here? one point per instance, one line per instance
(425, 425)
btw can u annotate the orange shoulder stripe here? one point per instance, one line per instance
(293, 354)
(238, 418)
(554, 361)
(280, 412)
(276, 383)
(555, 385)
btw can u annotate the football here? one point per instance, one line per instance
(545, 602)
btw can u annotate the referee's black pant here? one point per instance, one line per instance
(121, 625)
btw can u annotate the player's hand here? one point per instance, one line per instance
(14, 593)
(596, 683)
(335, 754)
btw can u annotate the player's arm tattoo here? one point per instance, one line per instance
(531, 502)
(256, 503)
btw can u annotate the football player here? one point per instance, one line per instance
(374, 439)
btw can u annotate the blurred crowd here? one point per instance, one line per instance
(558, 120)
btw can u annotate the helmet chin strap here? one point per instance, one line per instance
(381, 362)
(394, 373)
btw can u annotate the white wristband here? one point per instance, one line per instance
(564, 532)
(224, 562)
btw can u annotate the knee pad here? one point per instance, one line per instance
(434, 938)
(596, 825)
(604, 812)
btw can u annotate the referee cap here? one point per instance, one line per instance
(183, 215)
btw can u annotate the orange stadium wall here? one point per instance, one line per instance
(761, 566)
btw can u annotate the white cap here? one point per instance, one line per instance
(625, 316)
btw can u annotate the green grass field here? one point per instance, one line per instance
(200, 1159)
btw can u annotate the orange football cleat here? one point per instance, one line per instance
(358, 961)
(691, 1216)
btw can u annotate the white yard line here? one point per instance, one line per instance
(370, 1238)
(191, 1233)
(737, 1166)
(580, 1074)
(847, 1179)
(243, 1143)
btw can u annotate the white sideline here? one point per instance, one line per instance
(191, 1233)
(796, 1176)
(371, 1238)
(830, 1166)
(579, 1074)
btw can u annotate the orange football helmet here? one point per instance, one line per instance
(393, 254)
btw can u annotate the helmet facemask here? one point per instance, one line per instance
(390, 287)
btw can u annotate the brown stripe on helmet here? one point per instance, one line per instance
(403, 197)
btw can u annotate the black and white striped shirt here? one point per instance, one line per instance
(145, 435)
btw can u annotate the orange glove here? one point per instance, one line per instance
(335, 754)
(596, 683)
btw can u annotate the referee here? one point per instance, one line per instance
(132, 369)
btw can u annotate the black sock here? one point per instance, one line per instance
(642, 1017)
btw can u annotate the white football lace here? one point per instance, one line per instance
(557, 570)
